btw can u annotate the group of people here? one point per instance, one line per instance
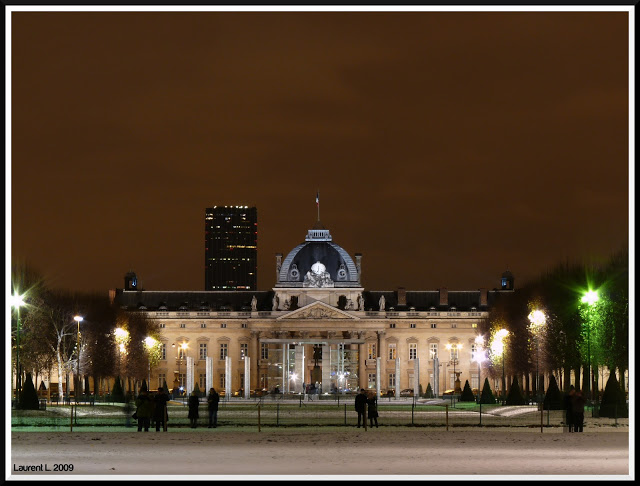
(152, 407)
(574, 404)
(368, 403)
(155, 408)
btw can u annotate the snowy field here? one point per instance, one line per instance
(326, 451)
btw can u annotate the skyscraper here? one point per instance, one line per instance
(231, 248)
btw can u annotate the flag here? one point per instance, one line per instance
(318, 198)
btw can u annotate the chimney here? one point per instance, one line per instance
(444, 296)
(402, 296)
(483, 297)
(278, 265)
(359, 264)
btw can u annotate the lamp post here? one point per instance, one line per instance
(590, 298)
(78, 320)
(479, 357)
(454, 358)
(150, 342)
(537, 319)
(17, 302)
(497, 350)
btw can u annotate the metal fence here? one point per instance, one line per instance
(282, 412)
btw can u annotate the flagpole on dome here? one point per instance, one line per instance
(318, 203)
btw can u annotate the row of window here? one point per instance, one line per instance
(371, 380)
(413, 351)
(203, 325)
(433, 325)
(203, 351)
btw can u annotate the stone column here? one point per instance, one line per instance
(227, 378)
(397, 377)
(189, 385)
(382, 354)
(362, 355)
(326, 368)
(299, 367)
(255, 362)
(209, 373)
(436, 377)
(247, 377)
(378, 360)
(285, 368)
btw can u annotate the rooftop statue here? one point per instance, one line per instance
(382, 303)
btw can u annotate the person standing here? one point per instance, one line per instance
(144, 410)
(194, 402)
(372, 409)
(160, 413)
(568, 408)
(360, 405)
(578, 411)
(212, 403)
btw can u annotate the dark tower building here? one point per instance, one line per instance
(231, 248)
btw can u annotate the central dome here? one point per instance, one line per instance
(318, 255)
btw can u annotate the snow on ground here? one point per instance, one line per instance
(327, 451)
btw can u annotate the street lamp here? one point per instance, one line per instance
(150, 342)
(183, 347)
(78, 319)
(479, 357)
(454, 359)
(17, 301)
(537, 319)
(122, 337)
(590, 298)
(497, 350)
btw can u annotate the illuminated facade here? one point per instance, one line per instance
(231, 248)
(317, 325)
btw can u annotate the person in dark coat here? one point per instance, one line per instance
(568, 408)
(194, 402)
(372, 409)
(578, 411)
(160, 415)
(360, 405)
(144, 410)
(212, 403)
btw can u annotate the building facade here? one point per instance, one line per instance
(231, 248)
(319, 326)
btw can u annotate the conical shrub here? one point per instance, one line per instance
(164, 386)
(117, 393)
(467, 393)
(28, 397)
(143, 387)
(487, 395)
(553, 400)
(515, 394)
(429, 392)
(614, 402)
(197, 390)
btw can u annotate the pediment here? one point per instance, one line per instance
(317, 310)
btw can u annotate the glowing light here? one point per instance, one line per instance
(480, 356)
(78, 318)
(184, 345)
(537, 318)
(149, 341)
(121, 333)
(497, 345)
(480, 340)
(122, 348)
(17, 301)
(590, 297)
(294, 376)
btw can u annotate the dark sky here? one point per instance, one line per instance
(446, 146)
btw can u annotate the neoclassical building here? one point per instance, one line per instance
(318, 325)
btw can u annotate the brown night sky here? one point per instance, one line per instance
(446, 146)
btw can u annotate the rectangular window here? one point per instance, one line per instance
(223, 350)
(202, 382)
(263, 380)
(453, 353)
(244, 325)
(433, 325)
(264, 351)
(392, 350)
(161, 379)
(372, 380)
(203, 350)
(182, 379)
(413, 350)
(244, 350)
(371, 350)
(392, 326)
(162, 325)
(163, 351)
(223, 326)
(242, 380)
(474, 350)
(182, 325)
(474, 325)
(474, 380)
(222, 384)
(392, 380)
(181, 352)
(203, 325)
(433, 350)
(454, 325)
(412, 326)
